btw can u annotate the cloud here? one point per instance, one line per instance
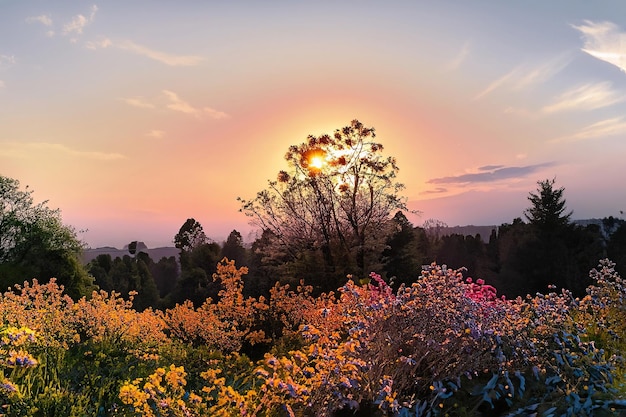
(138, 102)
(157, 134)
(162, 57)
(586, 97)
(43, 19)
(102, 43)
(438, 190)
(604, 41)
(165, 58)
(179, 105)
(490, 167)
(102, 156)
(6, 61)
(26, 149)
(497, 174)
(608, 127)
(523, 77)
(215, 114)
(458, 60)
(79, 22)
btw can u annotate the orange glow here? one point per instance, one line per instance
(317, 162)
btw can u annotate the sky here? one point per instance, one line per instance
(131, 117)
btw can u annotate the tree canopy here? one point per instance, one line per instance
(34, 242)
(333, 203)
(548, 209)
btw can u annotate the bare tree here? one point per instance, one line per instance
(337, 198)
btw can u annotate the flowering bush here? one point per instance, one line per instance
(445, 345)
(226, 324)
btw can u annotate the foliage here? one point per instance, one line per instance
(190, 235)
(548, 210)
(226, 324)
(35, 243)
(443, 345)
(329, 211)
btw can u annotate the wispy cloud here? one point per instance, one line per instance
(43, 19)
(165, 58)
(215, 114)
(438, 190)
(26, 149)
(138, 102)
(102, 43)
(179, 105)
(162, 57)
(497, 173)
(157, 134)
(79, 22)
(7, 61)
(461, 56)
(586, 97)
(523, 77)
(604, 41)
(175, 103)
(490, 167)
(603, 128)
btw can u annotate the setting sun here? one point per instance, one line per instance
(317, 162)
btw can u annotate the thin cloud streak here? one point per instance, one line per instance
(460, 58)
(438, 190)
(215, 114)
(102, 43)
(498, 174)
(157, 134)
(490, 167)
(26, 149)
(165, 58)
(138, 102)
(603, 128)
(604, 41)
(586, 97)
(523, 77)
(162, 57)
(179, 105)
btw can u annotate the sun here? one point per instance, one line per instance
(317, 162)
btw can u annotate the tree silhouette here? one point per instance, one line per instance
(34, 243)
(548, 210)
(336, 201)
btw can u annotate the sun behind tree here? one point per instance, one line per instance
(329, 212)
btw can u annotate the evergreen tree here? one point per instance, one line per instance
(548, 211)
(234, 250)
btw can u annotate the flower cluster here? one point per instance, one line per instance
(444, 345)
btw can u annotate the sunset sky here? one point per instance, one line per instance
(132, 116)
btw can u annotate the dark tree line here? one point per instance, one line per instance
(171, 280)
(524, 257)
(518, 258)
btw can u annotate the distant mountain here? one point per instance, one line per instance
(485, 231)
(155, 253)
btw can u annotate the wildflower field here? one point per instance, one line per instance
(446, 345)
